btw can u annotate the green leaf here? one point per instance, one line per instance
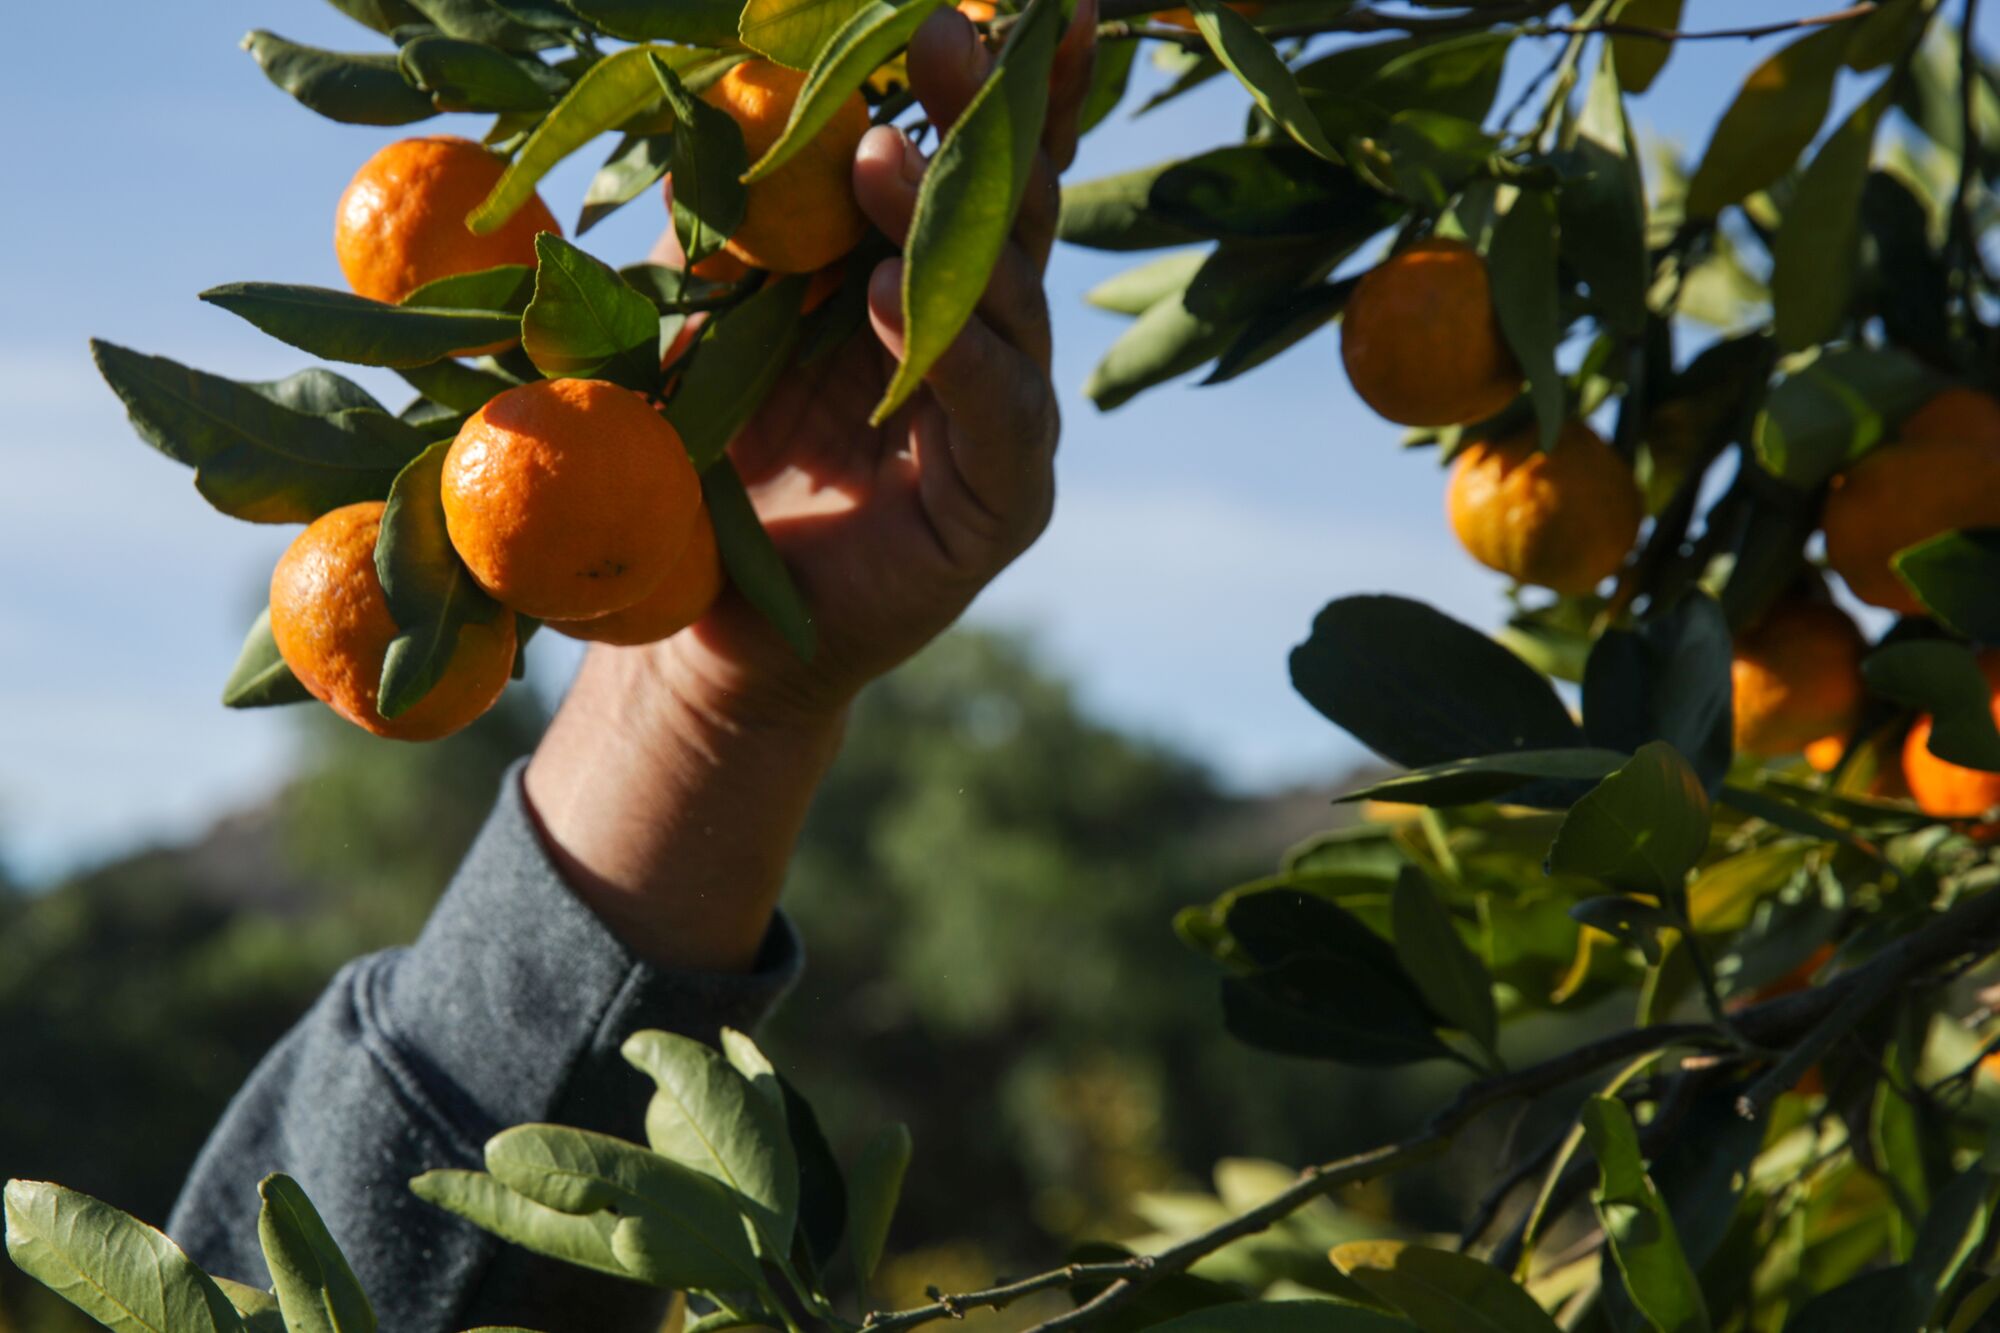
(1942, 678)
(1523, 265)
(1466, 781)
(1821, 418)
(675, 291)
(258, 1308)
(1114, 213)
(871, 33)
(1279, 326)
(506, 288)
(384, 16)
(1973, 1309)
(1818, 246)
(1356, 89)
(1666, 679)
(635, 164)
(794, 32)
(1451, 978)
(1420, 688)
(1286, 1316)
(683, 1228)
(1138, 290)
(316, 1289)
(585, 322)
(1641, 829)
(471, 76)
(741, 354)
(111, 1266)
(1249, 55)
(1428, 157)
(708, 160)
(260, 678)
(581, 1240)
(1877, 1301)
(1637, 1226)
(755, 568)
(1774, 117)
(341, 326)
(1166, 341)
(431, 596)
(1441, 1292)
(278, 453)
(515, 25)
(877, 1184)
(1953, 575)
(970, 193)
(610, 92)
(457, 386)
(708, 1117)
(1639, 60)
(1632, 920)
(1603, 214)
(694, 22)
(1109, 76)
(353, 89)
(1263, 190)
(822, 1186)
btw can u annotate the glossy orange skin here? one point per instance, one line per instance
(1796, 675)
(721, 267)
(332, 626)
(1563, 519)
(979, 11)
(401, 221)
(569, 498)
(1941, 472)
(682, 597)
(804, 215)
(1942, 788)
(1421, 339)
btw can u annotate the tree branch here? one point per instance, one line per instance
(1617, 29)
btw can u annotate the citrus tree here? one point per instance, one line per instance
(1694, 411)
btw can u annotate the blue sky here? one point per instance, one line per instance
(1197, 530)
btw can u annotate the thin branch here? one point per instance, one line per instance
(1617, 29)
(1000, 1296)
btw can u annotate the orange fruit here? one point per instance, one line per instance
(1797, 680)
(569, 498)
(401, 221)
(332, 626)
(721, 267)
(1940, 473)
(1940, 787)
(1562, 519)
(1421, 339)
(979, 11)
(802, 216)
(681, 598)
(1184, 18)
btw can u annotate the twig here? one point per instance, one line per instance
(997, 1297)
(1617, 29)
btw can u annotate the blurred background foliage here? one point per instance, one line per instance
(986, 888)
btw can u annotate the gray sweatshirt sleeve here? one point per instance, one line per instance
(510, 1007)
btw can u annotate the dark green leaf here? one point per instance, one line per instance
(260, 678)
(740, 356)
(822, 1187)
(635, 164)
(1274, 925)
(1667, 679)
(1418, 687)
(1886, 35)
(384, 16)
(1309, 1007)
(1954, 575)
(1451, 978)
(471, 76)
(430, 594)
(1428, 157)
(755, 568)
(354, 89)
(585, 322)
(1356, 89)
(1818, 246)
(675, 291)
(1465, 781)
(1114, 213)
(694, 22)
(1523, 265)
(316, 1289)
(1637, 1225)
(1284, 1316)
(1270, 189)
(1279, 326)
(1109, 76)
(507, 287)
(1603, 214)
(1166, 341)
(516, 25)
(1819, 419)
(1249, 55)
(1877, 1301)
(708, 163)
(1704, 1168)
(1632, 920)
(1952, 1236)
(581, 1240)
(264, 453)
(1639, 60)
(1942, 678)
(795, 32)
(343, 327)
(111, 1266)
(970, 193)
(457, 386)
(1775, 116)
(878, 1184)
(1641, 829)
(870, 33)
(1910, 282)
(1441, 1292)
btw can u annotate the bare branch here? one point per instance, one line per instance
(1617, 29)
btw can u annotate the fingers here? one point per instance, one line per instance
(1069, 84)
(948, 62)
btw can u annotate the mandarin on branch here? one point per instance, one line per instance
(1941, 787)
(401, 221)
(569, 498)
(1796, 679)
(803, 215)
(1941, 472)
(681, 598)
(1562, 519)
(332, 626)
(1421, 339)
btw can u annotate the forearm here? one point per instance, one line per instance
(672, 809)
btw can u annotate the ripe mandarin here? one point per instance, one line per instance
(682, 597)
(332, 626)
(1941, 787)
(1562, 519)
(569, 498)
(1941, 472)
(1796, 676)
(1421, 340)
